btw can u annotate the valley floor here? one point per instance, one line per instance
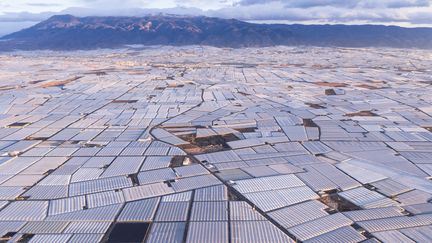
(200, 144)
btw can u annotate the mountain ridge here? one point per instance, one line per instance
(67, 32)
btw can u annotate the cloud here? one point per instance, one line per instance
(421, 17)
(341, 3)
(43, 4)
(25, 16)
(302, 3)
(383, 4)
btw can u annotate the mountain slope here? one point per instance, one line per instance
(66, 32)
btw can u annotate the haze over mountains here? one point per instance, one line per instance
(66, 32)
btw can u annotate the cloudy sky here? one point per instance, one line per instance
(17, 14)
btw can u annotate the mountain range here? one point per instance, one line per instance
(67, 32)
